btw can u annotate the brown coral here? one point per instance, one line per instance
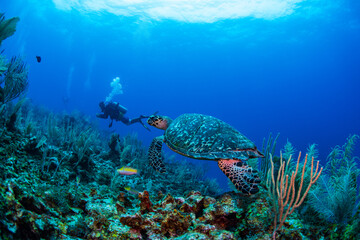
(145, 203)
(175, 224)
(133, 221)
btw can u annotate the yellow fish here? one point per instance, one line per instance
(127, 171)
(130, 190)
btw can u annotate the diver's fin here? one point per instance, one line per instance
(155, 155)
(135, 120)
(241, 175)
(147, 128)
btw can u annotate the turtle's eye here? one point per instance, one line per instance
(154, 120)
(158, 121)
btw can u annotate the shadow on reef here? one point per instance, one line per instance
(59, 181)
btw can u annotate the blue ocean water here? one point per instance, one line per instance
(293, 71)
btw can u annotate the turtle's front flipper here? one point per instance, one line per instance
(155, 156)
(241, 175)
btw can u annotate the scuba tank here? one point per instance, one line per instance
(114, 106)
(122, 109)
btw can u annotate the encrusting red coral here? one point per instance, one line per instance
(175, 224)
(168, 203)
(194, 203)
(133, 221)
(221, 213)
(173, 217)
(145, 203)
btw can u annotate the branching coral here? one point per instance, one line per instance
(281, 190)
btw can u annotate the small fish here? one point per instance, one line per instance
(78, 180)
(132, 191)
(127, 171)
(38, 59)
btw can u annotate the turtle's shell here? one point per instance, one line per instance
(205, 137)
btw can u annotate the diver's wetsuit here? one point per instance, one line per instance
(116, 112)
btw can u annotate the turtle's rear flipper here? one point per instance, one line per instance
(155, 156)
(241, 175)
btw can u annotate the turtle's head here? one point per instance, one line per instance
(160, 122)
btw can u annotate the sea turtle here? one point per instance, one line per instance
(205, 137)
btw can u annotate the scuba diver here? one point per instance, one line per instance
(116, 112)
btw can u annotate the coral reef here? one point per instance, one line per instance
(49, 191)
